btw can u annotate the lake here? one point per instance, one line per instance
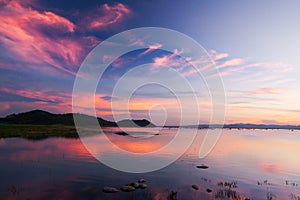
(253, 164)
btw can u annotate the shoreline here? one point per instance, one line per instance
(31, 131)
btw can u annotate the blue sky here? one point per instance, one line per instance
(255, 45)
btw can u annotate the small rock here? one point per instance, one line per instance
(202, 167)
(208, 190)
(121, 133)
(110, 190)
(195, 187)
(134, 184)
(127, 188)
(143, 186)
(142, 180)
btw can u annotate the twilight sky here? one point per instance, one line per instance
(255, 45)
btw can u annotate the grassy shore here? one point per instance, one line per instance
(36, 131)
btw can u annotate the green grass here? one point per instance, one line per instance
(36, 131)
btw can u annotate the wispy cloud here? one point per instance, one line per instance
(25, 39)
(4, 107)
(137, 42)
(46, 41)
(170, 60)
(245, 70)
(231, 62)
(151, 48)
(51, 100)
(42, 95)
(257, 91)
(26, 99)
(218, 56)
(107, 15)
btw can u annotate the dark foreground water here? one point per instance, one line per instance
(254, 164)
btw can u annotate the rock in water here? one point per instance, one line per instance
(127, 188)
(110, 190)
(143, 186)
(121, 133)
(195, 187)
(208, 190)
(142, 180)
(202, 167)
(134, 184)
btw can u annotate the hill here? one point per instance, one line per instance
(135, 123)
(39, 124)
(40, 117)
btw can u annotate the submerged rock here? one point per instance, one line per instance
(127, 188)
(195, 187)
(110, 190)
(202, 167)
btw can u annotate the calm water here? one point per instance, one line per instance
(265, 164)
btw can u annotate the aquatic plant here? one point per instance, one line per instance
(172, 195)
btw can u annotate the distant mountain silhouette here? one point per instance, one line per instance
(40, 117)
(261, 126)
(245, 126)
(135, 123)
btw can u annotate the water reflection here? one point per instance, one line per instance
(251, 164)
(139, 140)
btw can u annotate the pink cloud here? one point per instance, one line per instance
(53, 101)
(258, 91)
(187, 66)
(232, 62)
(237, 68)
(273, 66)
(42, 95)
(260, 72)
(171, 60)
(21, 33)
(4, 106)
(23, 106)
(152, 48)
(137, 43)
(266, 91)
(239, 65)
(6, 66)
(120, 62)
(218, 56)
(108, 15)
(56, 101)
(227, 71)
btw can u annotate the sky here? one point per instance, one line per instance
(254, 45)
